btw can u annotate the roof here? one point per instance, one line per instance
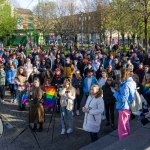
(24, 11)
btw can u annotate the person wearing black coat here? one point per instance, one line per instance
(109, 101)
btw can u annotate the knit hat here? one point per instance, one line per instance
(58, 69)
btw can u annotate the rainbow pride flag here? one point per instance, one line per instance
(25, 98)
(50, 97)
(147, 88)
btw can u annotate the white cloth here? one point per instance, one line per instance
(92, 119)
(95, 66)
(67, 100)
(102, 81)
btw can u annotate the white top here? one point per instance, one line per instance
(102, 81)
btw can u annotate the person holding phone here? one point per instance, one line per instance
(68, 94)
(93, 110)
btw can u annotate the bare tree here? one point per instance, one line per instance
(46, 14)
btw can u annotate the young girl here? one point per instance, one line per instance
(124, 97)
(93, 110)
(10, 77)
(21, 81)
(67, 104)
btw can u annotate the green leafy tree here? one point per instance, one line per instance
(8, 20)
(142, 8)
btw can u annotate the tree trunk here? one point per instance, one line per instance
(145, 31)
(128, 40)
(133, 38)
(118, 38)
(123, 39)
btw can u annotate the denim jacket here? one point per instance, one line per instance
(85, 86)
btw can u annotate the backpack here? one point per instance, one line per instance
(136, 105)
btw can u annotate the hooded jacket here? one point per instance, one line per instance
(10, 76)
(125, 95)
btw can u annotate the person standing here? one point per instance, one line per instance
(36, 109)
(21, 81)
(2, 82)
(93, 110)
(68, 69)
(67, 94)
(10, 77)
(77, 82)
(109, 101)
(124, 98)
(88, 82)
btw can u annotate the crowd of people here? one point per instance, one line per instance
(107, 79)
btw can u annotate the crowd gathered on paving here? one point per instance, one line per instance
(108, 79)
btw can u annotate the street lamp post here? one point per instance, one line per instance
(82, 28)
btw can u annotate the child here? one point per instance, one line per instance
(2, 82)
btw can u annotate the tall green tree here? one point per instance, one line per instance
(8, 20)
(142, 8)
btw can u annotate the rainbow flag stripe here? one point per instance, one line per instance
(147, 88)
(25, 98)
(50, 97)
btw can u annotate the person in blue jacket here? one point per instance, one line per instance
(89, 81)
(10, 76)
(124, 98)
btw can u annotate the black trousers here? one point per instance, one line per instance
(94, 136)
(78, 100)
(2, 91)
(13, 91)
(109, 110)
(147, 98)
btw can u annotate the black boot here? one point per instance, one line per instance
(40, 127)
(34, 127)
(20, 108)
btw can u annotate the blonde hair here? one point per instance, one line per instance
(100, 91)
(125, 73)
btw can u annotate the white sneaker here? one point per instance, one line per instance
(77, 113)
(69, 130)
(12, 100)
(63, 131)
(15, 101)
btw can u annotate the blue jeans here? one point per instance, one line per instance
(19, 97)
(66, 113)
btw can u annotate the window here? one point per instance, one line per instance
(20, 19)
(30, 26)
(30, 19)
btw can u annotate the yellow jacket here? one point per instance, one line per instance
(68, 70)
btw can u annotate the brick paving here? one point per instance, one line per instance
(15, 121)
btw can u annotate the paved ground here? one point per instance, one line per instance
(15, 122)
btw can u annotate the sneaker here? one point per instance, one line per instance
(77, 113)
(63, 131)
(12, 101)
(15, 101)
(69, 130)
(3, 100)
